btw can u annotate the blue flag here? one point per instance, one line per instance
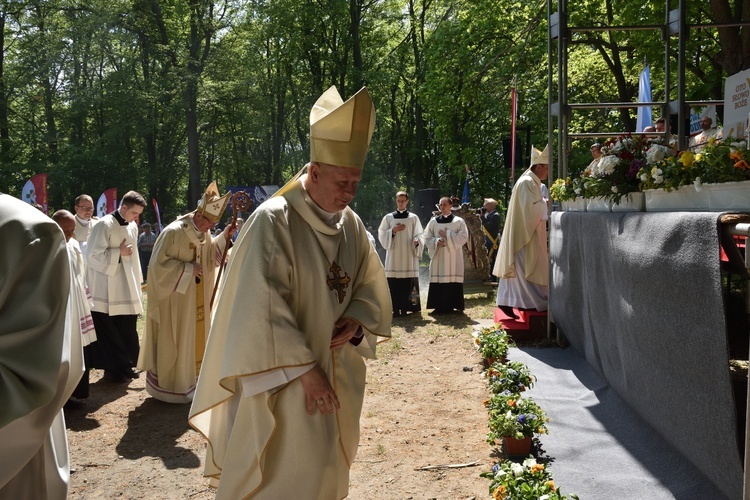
(465, 198)
(644, 95)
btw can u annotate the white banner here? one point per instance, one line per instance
(737, 105)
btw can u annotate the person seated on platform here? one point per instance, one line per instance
(708, 132)
(596, 154)
(661, 127)
(444, 239)
(523, 263)
(399, 233)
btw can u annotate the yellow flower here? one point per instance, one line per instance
(711, 141)
(699, 156)
(687, 158)
(512, 403)
(736, 155)
(551, 484)
(499, 493)
(537, 468)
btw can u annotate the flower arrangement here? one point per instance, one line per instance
(723, 161)
(665, 170)
(529, 480)
(513, 377)
(563, 190)
(616, 173)
(514, 417)
(492, 342)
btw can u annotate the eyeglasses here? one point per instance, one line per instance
(85, 208)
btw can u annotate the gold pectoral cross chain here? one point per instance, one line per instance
(337, 282)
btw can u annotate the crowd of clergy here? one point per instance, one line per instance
(278, 384)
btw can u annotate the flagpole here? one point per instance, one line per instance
(513, 106)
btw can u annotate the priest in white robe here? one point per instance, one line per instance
(182, 273)
(522, 265)
(114, 278)
(81, 322)
(444, 238)
(400, 234)
(85, 221)
(305, 299)
(37, 367)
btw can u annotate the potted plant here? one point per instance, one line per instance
(514, 420)
(529, 480)
(512, 376)
(492, 343)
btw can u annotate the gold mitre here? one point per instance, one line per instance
(212, 204)
(539, 157)
(340, 132)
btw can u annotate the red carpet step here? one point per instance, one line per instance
(531, 325)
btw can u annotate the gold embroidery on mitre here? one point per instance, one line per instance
(336, 282)
(212, 204)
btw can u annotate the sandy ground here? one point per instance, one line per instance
(423, 407)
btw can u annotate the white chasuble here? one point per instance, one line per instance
(265, 445)
(178, 318)
(525, 231)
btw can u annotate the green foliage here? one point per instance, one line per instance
(99, 93)
(513, 416)
(527, 481)
(511, 376)
(492, 342)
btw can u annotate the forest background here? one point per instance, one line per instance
(163, 96)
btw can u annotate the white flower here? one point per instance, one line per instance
(529, 462)
(577, 190)
(656, 153)
(517, 469)
(658, 179)
(607, 165)
(644, 177)
(615, 190)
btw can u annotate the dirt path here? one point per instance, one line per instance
(423, 407)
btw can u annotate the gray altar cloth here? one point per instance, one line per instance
(639, 296)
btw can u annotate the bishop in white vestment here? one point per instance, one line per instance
(280, 392)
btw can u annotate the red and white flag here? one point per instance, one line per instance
(35, 191)
(107, 202)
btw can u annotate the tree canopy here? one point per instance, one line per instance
(163, 96)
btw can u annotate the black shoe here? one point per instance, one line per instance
(115, 377)
(508, 311)
(74, 404)
(129, 373)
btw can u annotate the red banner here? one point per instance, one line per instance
(158, 215)
(35, 191)
(107, 202)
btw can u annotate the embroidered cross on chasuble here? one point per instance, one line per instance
(337, 282)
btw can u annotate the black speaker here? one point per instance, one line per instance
(507, 153)
(424, 203)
